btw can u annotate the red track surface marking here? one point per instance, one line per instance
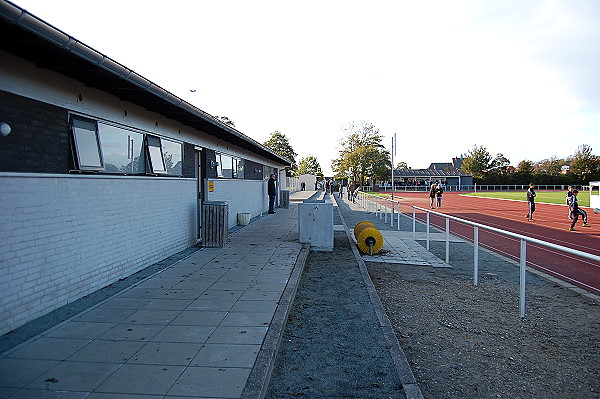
(550, 224)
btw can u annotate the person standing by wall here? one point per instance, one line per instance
(272, 193)
(531, 201)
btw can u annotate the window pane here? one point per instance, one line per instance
(173, 159)
(86, 144)
(240, 169)
(122, 149)
(157, 164)
(227, 166)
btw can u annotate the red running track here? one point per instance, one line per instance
(550, 224)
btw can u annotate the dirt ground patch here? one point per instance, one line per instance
(468, 342)
(332, 346)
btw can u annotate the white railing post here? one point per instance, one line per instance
(475, 255)
(427, 231)
(523, 265)
(414, 224)
(399, 211)
(385, 211)
(447, 240)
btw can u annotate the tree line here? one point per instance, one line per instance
(362, 158)
(583, 167)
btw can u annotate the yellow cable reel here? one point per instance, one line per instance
(361, 225)
(368, 238)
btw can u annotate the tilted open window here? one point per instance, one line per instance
(86, 141)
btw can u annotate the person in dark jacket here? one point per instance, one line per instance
(438, 195)
(576, 211)
(531, 201)
(432, 196)
(272, 193)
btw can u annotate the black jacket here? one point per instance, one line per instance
(271, 188)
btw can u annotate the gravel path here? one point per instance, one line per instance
(333, 346)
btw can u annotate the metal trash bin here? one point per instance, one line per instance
(215, 223)
(285, 199)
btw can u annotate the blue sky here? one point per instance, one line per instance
(518, 77)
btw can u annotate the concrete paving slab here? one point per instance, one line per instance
(193, 329)
(211, 382)
(80, 329)
(75, 376)
(400, 248)
(225, 355)
(193, 334)
(21, 372)
(142, 379)
(46, 348)
(167, 353)
(106, 351)
(131, 332)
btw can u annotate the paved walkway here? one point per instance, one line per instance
(192, 330)
(208, 326)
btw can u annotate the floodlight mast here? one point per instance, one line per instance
(393, 153)
(393, 204)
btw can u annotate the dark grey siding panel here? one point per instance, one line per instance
(207, 157)
(253, 170)
(39, 140)
(189, 160)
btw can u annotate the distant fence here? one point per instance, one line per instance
(477, 187)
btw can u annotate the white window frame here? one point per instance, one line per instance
(79, 140)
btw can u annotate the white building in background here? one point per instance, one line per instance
(103, 172)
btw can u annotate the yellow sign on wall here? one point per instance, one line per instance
(211, 186)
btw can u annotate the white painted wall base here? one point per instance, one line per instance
(65, 236)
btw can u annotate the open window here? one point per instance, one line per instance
(156, 159)
(86, 141)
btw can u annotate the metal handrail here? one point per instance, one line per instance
(372, 202)
(523, 247)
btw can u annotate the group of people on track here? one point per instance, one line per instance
(574, 210)
(435, 195)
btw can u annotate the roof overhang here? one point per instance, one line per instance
(32, 39)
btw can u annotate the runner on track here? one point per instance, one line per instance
(576, 211)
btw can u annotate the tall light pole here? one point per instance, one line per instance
(393, 153)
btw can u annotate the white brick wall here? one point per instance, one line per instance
(63, 237)
(243, 196)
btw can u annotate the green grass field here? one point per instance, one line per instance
(551, 197)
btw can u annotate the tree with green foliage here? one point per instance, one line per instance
(401, 165)
(584, 163)
(525, 167)
(362, 154)
(309, 166)
(280, 144)
(477, 161)
(551, 166)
